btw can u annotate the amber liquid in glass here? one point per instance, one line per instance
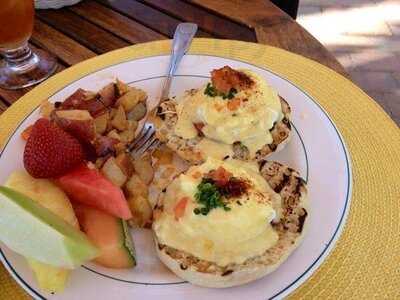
(16, 22)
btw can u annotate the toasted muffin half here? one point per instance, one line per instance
(290, 224)
(237, 111)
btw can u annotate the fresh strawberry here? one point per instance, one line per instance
(50, 151)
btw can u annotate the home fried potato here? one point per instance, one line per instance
(77, 122)
(138, 112)
(114, 135)
(136, 187)
(131, 98)
(122, 87)
(119, 120)
(124, 161)
(46, 108)
(141, 211)
(107, 95)
(143, 167)
(101, 121)
(113, 172)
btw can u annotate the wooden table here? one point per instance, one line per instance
(93, 27)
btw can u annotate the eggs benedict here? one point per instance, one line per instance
(235, 115)
(222, 223)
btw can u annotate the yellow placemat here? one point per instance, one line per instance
(366, 261)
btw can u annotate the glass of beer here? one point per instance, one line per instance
(20, 66)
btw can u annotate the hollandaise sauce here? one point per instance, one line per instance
(244, 116)
(229, 228)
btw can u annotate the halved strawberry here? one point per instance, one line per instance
(50, 151)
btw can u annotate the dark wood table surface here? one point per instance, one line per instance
(93, 27)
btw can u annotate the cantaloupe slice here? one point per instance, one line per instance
(110, 234)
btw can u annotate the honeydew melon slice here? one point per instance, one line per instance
(33, 231)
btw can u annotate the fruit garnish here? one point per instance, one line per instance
(50, 151)
(38, 233)
(90, 187)
(47, 194)
(110, 234)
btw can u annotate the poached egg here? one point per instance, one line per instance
(246, 117)
(222, 236)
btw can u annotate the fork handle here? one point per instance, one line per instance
(183, 36)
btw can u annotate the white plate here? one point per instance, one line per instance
(317, 150)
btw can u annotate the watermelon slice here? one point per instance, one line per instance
(110, 234)
(88, 186)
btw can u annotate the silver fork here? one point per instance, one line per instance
(146, 138)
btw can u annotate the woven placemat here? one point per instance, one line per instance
(365, 262)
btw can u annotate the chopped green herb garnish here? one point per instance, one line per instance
(209, 197)
(230, 95)
(211, 91)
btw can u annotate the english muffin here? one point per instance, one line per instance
(226, 223)
(236, 115)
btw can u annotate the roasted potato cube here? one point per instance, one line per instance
(114, 135)
(127, 136)
(120, 148)
(100, 162)
(141, 211)
(112, 112)
(89, 95)
(132, 125)
(124, 161)
(131, 98)
(46, 108)
(119, 120)
(74, 114)
(77, 122)
(164, 156)
(136, 187)
(107, 95)
(144, 168)
(82, 100)
(101, 123)
(122, 87)
(138, 112)
(113, 172)
(105, 146)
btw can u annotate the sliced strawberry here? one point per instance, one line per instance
(50, 151)
(88, 186)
